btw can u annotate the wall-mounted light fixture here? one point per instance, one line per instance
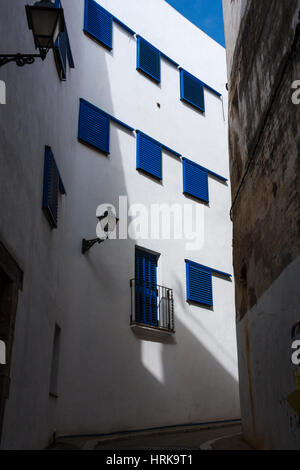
(46, 22)
(108, 222)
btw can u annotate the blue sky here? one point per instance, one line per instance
(206, 14)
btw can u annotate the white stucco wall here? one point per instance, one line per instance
(110, 379)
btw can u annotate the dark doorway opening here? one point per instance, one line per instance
(11, 279)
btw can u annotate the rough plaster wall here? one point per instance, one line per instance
(233, 13)
(264, 140)
(267, 140)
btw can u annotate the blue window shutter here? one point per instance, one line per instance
(148, 59)
(52, 185)
(199, 284)
(98, 22)
(94, 127)
(146, 308)
(195, 180)
(192, 90)
(61, 49)
(149, 155)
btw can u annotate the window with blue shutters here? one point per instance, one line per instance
(199, 283)
(149, 155)
(192, 90)
(53, 185)
(148, 59)
(98, 23)
(62, 50)
(94, 126)
(195, 180)
(146, 305)
(61, 47)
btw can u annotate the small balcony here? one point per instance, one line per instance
(152, 306)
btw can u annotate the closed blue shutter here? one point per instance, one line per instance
(52, 185)
(148, 59)
(192, 90)
(195, 180)
(146, 288)
(61, 49)
(98, 23)
(149, 155)
(199, 284)
(94, 127)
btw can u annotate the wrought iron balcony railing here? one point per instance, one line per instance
(152, 306)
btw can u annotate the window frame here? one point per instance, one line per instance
(49, 159)
(81, 138)
(158, 176)
(147, 291)
(189, 297)
(55, 360)
(185, 163)
(140, 67)
(62, 57)
(182, 90)
(90, 33)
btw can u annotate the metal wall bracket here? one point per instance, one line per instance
(87, 244)
(21, 59)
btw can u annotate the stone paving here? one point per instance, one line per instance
(221, 438)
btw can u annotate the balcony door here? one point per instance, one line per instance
(146, 305)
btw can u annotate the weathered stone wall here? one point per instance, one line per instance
(265, 140)
(263, 62)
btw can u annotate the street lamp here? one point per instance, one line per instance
(46, 22)
(108, 222)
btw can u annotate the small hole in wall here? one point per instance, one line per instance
(158, 105)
